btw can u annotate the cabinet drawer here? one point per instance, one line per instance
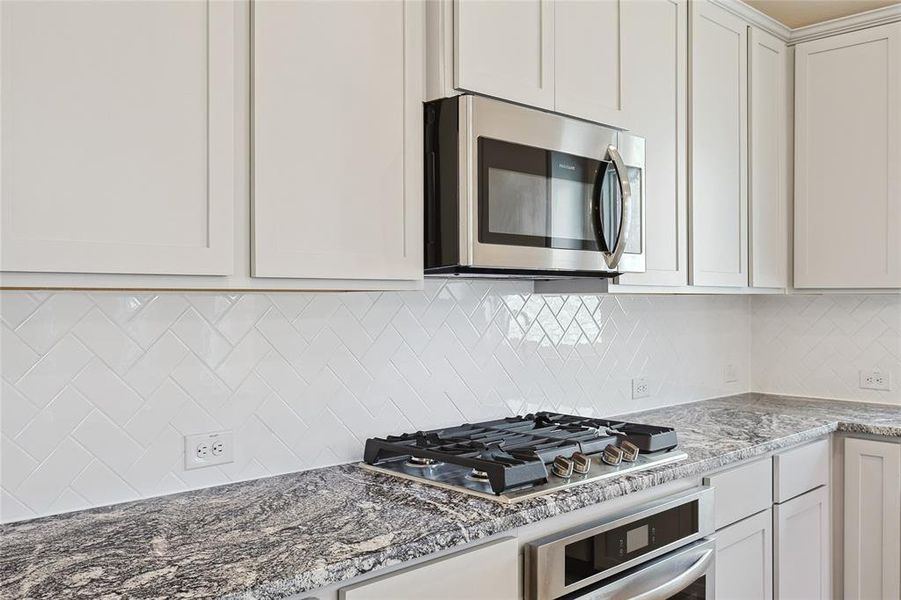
(800, 470)
(486, 572)
(742, 491)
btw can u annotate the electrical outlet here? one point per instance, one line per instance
(875, 380)
(208, 449)
(730, 374)
(640, 388)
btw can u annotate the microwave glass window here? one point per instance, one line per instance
(533, 197)
(571, 212)
(519, 203)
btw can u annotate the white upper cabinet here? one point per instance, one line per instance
(505, 48)
(337, 139)
(117, 146)
(767, 160)
(588, 58)
(654, 83)
(848, 160)
(718, 154)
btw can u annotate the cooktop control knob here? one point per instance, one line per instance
(612, 455)
(563, 467)
(581, 463)
(630, 451)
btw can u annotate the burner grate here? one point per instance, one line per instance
(512, 452)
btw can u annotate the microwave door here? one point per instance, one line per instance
(611, 208)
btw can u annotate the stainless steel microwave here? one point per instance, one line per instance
(518, 192)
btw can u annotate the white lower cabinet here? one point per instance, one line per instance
(872, 540)
(486, 572)
(802, 545)
(744, 559)
(775, 550)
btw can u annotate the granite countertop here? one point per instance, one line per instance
(270, 538)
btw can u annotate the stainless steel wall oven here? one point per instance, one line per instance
(661, 551)
(515, 191)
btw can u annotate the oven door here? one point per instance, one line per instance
(686, 574)
(547, 192)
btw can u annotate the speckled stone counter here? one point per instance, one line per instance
(274, 537)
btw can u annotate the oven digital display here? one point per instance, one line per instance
(636, 539)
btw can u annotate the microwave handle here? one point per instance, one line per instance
(634, 589)
(612, 258)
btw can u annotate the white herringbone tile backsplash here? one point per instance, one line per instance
(817, 345)
(99, 388)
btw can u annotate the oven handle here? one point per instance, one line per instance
(635, 586)
(678, 583)
(625, 189)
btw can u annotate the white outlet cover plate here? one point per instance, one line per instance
(192, 442)
(730, 374)
(875, 380)
(641, 388)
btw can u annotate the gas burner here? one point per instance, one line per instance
(422, 463)
(521, 457)
(476, 475)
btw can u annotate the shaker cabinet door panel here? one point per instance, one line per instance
(803, 552)
(505, 48)
(337, 139)
(744, 559)
(117, 146)
(847, 157)
(588, 59)
(655, 70)
(872, 520)
(718, 163)
(767, 165)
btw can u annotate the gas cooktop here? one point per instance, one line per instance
(522, 457)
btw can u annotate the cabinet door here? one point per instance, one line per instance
(802, 547)
(117, 146)
(744, 559)
(767, 167)
(486, 572)
(847, 152)
(505, 48)
(655, 70)
(588, 59)
(872, 519)
(719, 200)
(337, 139)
